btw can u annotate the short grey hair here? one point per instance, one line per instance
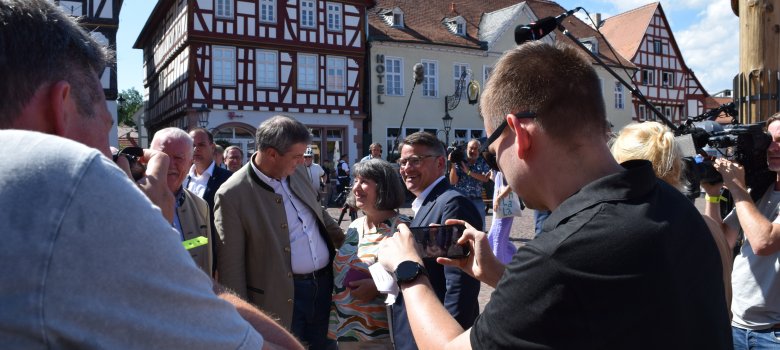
(280, 133)
(234, 147)
(390, 190)
(39, 44)
(172, 133)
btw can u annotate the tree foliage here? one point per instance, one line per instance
(132, 103)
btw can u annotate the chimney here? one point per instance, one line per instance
(598, 20)
(452, 7)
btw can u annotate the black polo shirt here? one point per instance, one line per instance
(625, 263)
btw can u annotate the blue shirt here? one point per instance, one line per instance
(469, 186)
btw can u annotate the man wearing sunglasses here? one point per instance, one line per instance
(422, 169)
(625, 261)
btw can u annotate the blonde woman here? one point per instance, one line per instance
(655, 142)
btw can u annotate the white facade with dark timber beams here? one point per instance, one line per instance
(249, 60)
(101, 19)
(644, 35)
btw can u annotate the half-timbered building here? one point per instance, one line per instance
(644, 36)
(449, 38)
(246, 61)
(101, 19)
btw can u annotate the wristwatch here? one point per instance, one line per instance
(408, 271)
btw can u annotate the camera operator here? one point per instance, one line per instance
(468, 175)
(756, 286)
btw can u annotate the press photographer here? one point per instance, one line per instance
(468, 173)
(756, 287)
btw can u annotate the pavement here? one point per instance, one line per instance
(522, 231)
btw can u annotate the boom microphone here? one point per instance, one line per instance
(419, 73)
(540, 28)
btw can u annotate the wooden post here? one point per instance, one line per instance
(756, 86)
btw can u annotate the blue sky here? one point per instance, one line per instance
(706, 32)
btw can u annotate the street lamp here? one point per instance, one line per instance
(203, 115)
(447, 127)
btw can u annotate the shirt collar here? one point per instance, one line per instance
(209, 170)
(417, 203)
(265, 178)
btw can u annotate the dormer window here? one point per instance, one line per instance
(592, 44)
(456, 25)
(394, 17)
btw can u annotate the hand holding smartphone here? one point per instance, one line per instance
(440, 241)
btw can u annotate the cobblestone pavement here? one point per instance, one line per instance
(522, 230)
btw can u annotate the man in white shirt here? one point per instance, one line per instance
(205, 176)
(277, 242)
(755, 305)
(315, 172)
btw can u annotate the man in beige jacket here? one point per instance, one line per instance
(192, 218)
(276, 242)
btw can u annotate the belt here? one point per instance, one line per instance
(323, 272)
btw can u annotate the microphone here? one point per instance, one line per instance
(419, 73)
(541, 27)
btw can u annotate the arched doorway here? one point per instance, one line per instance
(237, 134)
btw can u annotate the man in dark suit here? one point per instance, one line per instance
(423, 161)
(205, 176)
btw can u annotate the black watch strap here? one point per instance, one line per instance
(408, 271)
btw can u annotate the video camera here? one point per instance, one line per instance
(456, 153)
(745, 144)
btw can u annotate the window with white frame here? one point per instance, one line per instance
(618, 95)
(268, 11)
(392, 135)
(457, 70)
(398, 18)
(460, 28)
(224, 8)
(394, 76)
(667, 79)
(476, 134)
(486, 71)
(641, 113)
(460, 136)
(668, 112)
(336, 74)
(648, 78)
(267, 68)
(431, 81)
(307, 13)
(334, 15)
(307, 72)
(223, 65)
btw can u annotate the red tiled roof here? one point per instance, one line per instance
(627, 30)
(423, 23)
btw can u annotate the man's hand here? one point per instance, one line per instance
(733, 174)
(398, 248)
(481, 263)
(155, 185)
(364, 290)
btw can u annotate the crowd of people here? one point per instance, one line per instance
(201, 254)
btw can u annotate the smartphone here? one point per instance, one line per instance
(441, 241)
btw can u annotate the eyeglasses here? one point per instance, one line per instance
(490, 157)
(414, 161)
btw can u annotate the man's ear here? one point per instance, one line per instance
(60, 108)
(522, 138)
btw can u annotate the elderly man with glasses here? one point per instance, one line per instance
(625, 261)
(422, 169)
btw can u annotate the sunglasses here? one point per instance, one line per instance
(490, 157)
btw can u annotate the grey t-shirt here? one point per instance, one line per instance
(89, 262)
(754, 280)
